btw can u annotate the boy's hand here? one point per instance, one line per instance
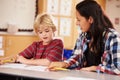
(21, 59)
(1, 62)
(8, 59)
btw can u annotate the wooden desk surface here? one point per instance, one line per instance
(57, 75)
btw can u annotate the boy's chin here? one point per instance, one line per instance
(46, 42)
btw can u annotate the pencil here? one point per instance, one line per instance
(7, 61)
(62, 69)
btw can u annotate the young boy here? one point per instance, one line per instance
(42, 52)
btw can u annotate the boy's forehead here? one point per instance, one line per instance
(41, 28)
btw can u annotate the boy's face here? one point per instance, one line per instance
(45, 34)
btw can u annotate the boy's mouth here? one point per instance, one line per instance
(45, 38)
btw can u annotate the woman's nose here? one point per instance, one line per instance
(77, 22)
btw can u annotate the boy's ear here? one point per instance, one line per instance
(90, 19)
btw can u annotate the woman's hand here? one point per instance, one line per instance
(54, 65)
(91, 68)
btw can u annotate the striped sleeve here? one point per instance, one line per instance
(29, 51)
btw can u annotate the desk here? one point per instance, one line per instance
(19, 74)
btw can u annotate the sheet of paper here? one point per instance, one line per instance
(55, 21)
(65, 7)
(52, 6)
(76, 78)
(35, 68)
(24, 66)
(12, 65)
(65, 26)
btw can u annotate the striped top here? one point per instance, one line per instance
(53, 51)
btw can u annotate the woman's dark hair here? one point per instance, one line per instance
(90, 8)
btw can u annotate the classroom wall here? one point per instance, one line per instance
(102, 3)
(20, 13)
(113, 11)
(16, 14)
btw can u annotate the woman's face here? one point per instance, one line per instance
(82, 22)
(46, 35)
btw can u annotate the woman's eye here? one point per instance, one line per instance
(78, 20)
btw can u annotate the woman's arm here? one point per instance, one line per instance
(91, 68)
(111, 57)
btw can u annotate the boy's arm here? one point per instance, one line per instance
(43, 62)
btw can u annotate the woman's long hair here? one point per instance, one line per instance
(90, 8)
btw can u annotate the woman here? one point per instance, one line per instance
(98, 46)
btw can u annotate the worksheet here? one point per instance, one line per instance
(24, 66)
(76, 78)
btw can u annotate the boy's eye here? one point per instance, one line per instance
(47, 31)
(40, 32)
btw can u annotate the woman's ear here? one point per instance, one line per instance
(90, 19)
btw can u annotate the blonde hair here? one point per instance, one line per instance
(44, 20)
